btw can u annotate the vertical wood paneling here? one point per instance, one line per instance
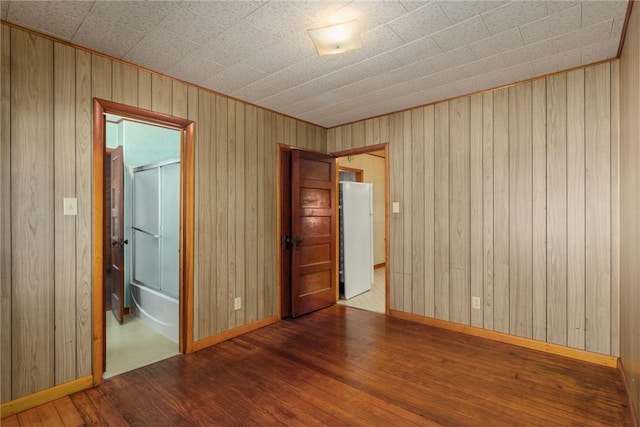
(598, 210)
(144, 89)
(84, 167)
(291, 133)
(557, 209)
(369, 137)
(5, 214)
(615, 209)
(429, 190)
(539, 245)
(407, 224)
(207, 308)
(101, 77)
(219, 147)
(337, 139)
(232, 213)
(271, 227)
(347, 137)
(261, 214)
(321, 139)
(501, 210)
(459, 211)
(331, 140)
(418, 212)
(476, 206)
(280, 131)
(441, 205)
(161, 94)
(125, 83)
(32, 221)
(240, 213)
(629, 158)
(301, 135)
(376, 131)
(179, 99)
(396, 159)
(251, 236)
(520, 211)
(310, 135)
(358, 134)
(487, 209)
(575, 209)
(64, 150)
(384, 129)
(192, 105)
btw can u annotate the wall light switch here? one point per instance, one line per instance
(70, 206)
(396, 207)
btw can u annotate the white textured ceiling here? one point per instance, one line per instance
(414, 51)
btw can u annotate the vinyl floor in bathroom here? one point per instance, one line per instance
(134, 344)
(372, 300)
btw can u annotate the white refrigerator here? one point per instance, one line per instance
(356, 238)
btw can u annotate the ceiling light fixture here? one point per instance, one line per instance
(337, 38)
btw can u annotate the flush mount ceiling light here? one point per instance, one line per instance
(337, 38)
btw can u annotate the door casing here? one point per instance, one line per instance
(187, 141)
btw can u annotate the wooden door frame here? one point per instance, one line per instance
(359, 172)
(187, 141)
(336, 155)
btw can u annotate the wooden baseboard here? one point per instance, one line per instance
(382, 264)
(632, 410)
(574, 353)
(215, 339)
(45, 396)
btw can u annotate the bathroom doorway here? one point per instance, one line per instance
(143, 263)
(142, 199)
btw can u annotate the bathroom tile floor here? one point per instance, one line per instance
(372, 300)
(134, 344)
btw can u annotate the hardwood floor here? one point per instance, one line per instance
(345, 366)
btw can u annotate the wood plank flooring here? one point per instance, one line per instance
(345, 366)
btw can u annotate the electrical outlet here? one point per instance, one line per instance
(237, 303)
(475, 303)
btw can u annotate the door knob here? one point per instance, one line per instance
(298, 241)
(121, 244)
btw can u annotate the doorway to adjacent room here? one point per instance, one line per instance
(308, 228)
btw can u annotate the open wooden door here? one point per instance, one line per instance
(117, 234)
(314, 215)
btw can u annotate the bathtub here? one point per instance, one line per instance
(158, 310)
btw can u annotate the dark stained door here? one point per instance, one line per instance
(117, 234)
(285, 233)
(313, 201)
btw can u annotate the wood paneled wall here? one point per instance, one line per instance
(630, 207)
(45, 155)
(512, 196)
